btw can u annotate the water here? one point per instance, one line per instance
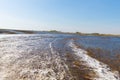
(110, 44)
(48, 55)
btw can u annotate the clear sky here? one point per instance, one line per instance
(89, 16)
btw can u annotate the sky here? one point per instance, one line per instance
(87, 16)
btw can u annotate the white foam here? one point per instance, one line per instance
(101, 69)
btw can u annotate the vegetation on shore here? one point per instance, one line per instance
(84, 34)
(10, 31)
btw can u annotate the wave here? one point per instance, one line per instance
(102, 70)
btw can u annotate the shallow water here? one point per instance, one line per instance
(46, 56)
(109, 44)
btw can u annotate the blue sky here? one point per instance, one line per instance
(89, 16)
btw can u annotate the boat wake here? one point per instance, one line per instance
(103, 72)
(35, 57)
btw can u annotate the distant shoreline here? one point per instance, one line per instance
(13, 31)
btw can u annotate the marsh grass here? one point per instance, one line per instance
(104, 56)
(78, 70)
